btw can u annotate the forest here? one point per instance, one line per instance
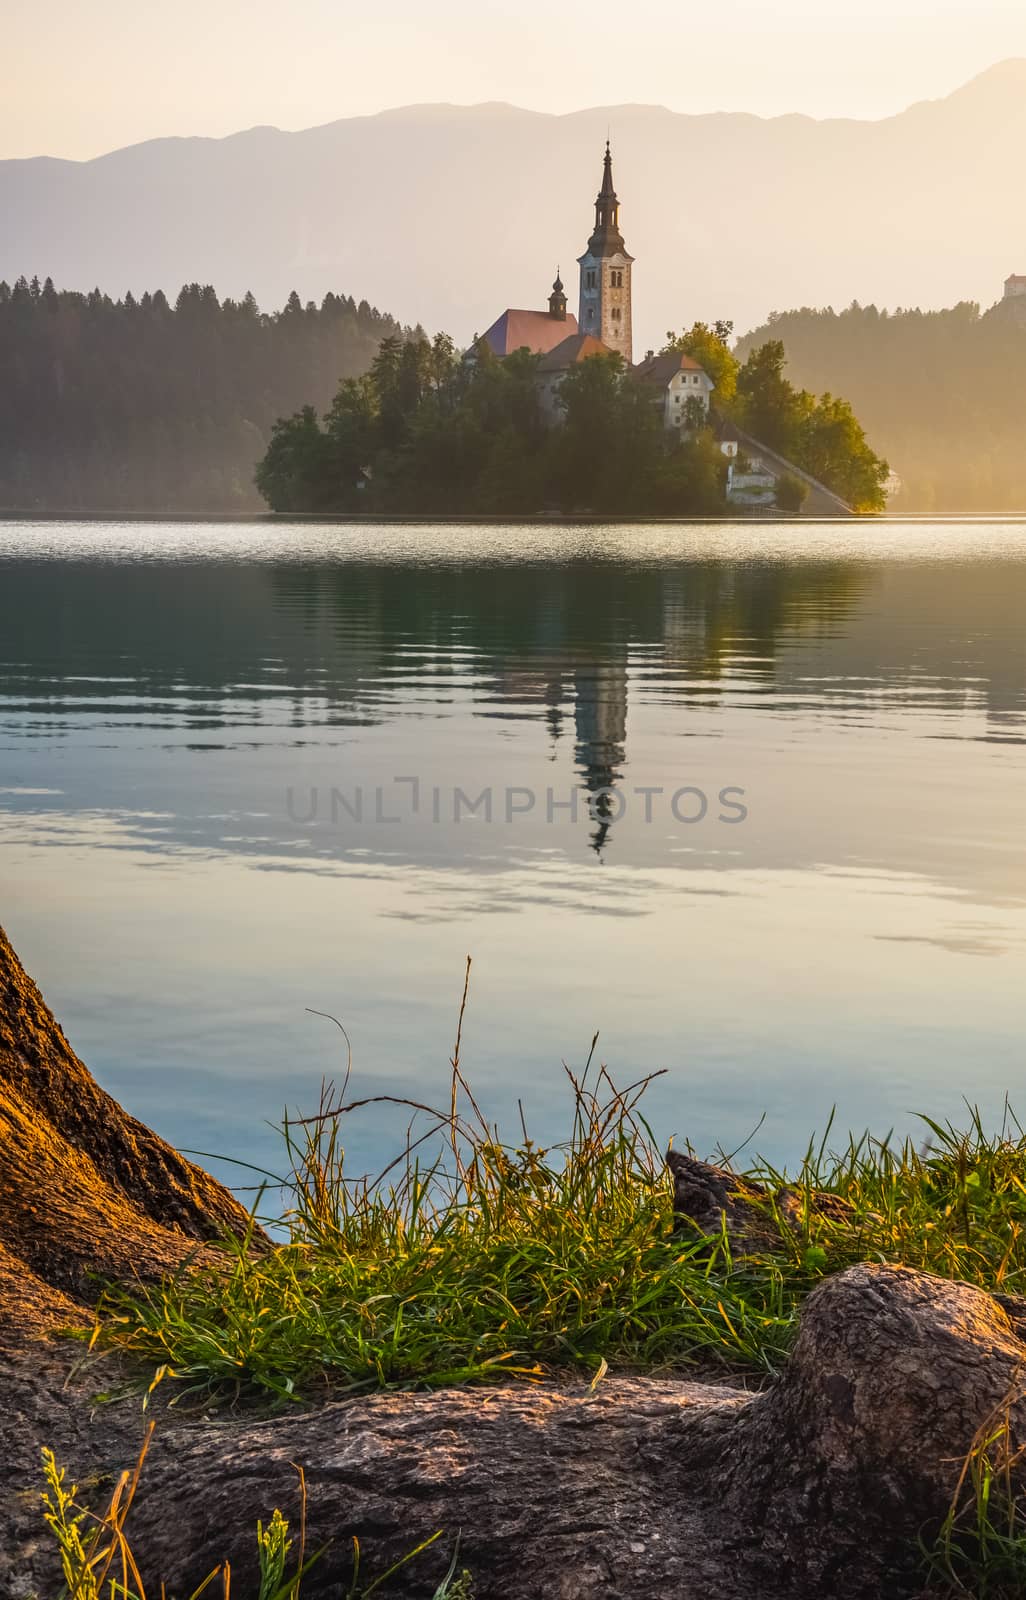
(204, 406)
(940, 394)
(138, 405)
(425, 431)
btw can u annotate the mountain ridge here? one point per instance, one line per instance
(446, 214)
(443, 108)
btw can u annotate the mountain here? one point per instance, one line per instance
(449, 214)
(940, 394)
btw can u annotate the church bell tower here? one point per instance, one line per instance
(605, 310)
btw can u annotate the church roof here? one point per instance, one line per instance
(661, 370)
(578, 347)
(607, 240)
(537, 330)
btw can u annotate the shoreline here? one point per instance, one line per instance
(364, 519)
(837, 1476)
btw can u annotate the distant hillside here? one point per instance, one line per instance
(942, 395)
(448, 215)
(142, 406)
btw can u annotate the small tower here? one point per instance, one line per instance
(557, 300)
(606, 273)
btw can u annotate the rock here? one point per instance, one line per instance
(641, 1489)
(716, 1199)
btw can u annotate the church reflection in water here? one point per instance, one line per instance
(312, 645)
(595, 691)
(600, 735)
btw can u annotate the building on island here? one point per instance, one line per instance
(605, 303)
(676, 380)
(678, 385)
(539, 331)
(1015, 286)
(727, 437)
(555, 364)
(603, 326)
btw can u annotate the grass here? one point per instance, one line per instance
(496, 1259)
(97, 1561)
(980, 1550)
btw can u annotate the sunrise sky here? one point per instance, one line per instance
(83, 79)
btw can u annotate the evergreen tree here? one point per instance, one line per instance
(940, 393)
(137, 406)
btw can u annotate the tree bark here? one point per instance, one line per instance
(86, 1191)
(820, 1484)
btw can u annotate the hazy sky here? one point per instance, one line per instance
(83, 78)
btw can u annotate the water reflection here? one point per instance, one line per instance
(858, 938)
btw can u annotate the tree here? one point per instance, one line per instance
(791, 493)
(139, 405)
(710, 347)
(695, 415)
(504, 394)
(939, 393)
(350, 427)
(833, 447)
(610, 439)
(425, 431)
(767, 405)
(444, 362)
(690, 479)
(296, 473)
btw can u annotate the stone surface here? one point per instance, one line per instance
(638, 1489)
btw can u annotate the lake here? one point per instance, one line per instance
(745, 799)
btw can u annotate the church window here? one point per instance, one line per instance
(616, 278)
(590, 280)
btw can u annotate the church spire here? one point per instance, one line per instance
(607, 191)
(607, 236)
(606, 272)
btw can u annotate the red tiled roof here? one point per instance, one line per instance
(660, 370)
(578, 347)
(536, 330)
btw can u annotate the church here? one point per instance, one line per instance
(603, 324)
(679, 387)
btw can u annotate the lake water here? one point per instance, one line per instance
(246, 770)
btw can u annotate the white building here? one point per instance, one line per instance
(679, 385)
